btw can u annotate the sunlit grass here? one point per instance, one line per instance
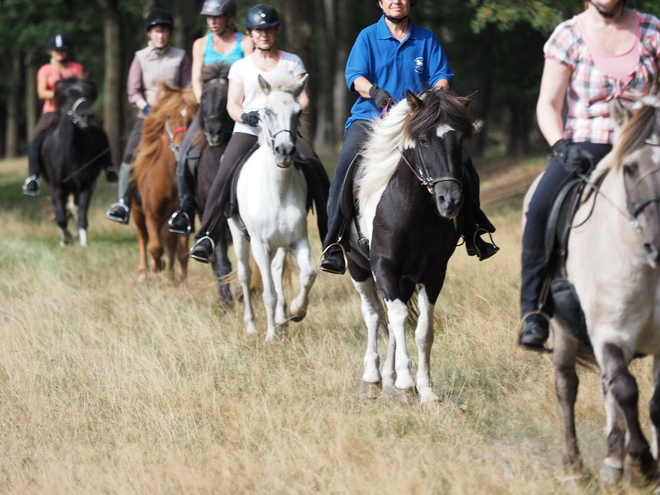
(114, 387)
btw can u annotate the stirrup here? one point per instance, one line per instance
(479, 231)
(343, 252)
(32, 178)
(176, 230)
(200, 258)
(111, 214)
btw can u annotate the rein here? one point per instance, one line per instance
(425, 177)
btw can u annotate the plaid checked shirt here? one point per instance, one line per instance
(590, 90)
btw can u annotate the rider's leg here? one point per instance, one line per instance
(239, 144)
(32, 185)
(476, 223)
(535, 332)
(120, 211)
(182, 221)
(354, 139)
(318, 181)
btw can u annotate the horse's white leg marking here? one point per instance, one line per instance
(262, 257)
(655, 407)
(242, 250)
(83, 237)
(397, 312)
(65, 237)
(277, 268)
(75, 212)
(303, 254)
(424, 338)
(388, 373)
(371, 315)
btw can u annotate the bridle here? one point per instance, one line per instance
(423, 175)
(73, 114)
(170, 137)
(634, 209)
(291, 133)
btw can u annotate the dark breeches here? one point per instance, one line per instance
(133, 141)
(46, 122)
(533, 241)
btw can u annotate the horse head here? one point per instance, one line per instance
(280, 117)
(74, 98)
(170, 117)
(435, 127)
(217, 122)
(636, 155)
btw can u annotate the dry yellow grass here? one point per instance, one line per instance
(112, 387)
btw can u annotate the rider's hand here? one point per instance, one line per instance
(146, 109)
(380, 96)
(251, 118)
(574, 159)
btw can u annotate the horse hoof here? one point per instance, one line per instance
(406, 397)
(610, 476)
(300, 316)
(574, 483)
(641, 472)
(272, 339)
(371, 391)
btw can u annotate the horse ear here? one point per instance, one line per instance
(265, 87)
(620, 114)
(301, 86)
(466, 101)
(413, 101)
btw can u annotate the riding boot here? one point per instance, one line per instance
(534, 309)
(473, 228)
(203, 250)
(120, 211)
(32, 185)
(111, 176)
(182, 221)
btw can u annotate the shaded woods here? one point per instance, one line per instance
(494, 46)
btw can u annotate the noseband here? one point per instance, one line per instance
(170, 137)
(424, 176)
(73, 115)
(636, 209)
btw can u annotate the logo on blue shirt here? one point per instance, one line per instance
(419, 65)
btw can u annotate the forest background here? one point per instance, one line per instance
(494, 47)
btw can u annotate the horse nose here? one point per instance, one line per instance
(652, 254)
(449, 201)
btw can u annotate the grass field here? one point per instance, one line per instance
(108, 386)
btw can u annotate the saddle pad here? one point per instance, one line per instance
(560, 220)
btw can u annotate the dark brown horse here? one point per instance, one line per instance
(154, 175)
(73, 153)
(410, 197)
(217, 129)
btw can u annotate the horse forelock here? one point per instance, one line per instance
(83, 88)
(440, 109)
(636, 130)
(214, 71)
(180, 106)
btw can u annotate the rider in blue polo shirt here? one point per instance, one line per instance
(388, 58)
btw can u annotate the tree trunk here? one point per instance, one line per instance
(30, 97)
(325, 22)
(112, 86)
(11, 133)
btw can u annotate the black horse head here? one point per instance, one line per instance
(436, 125)
(217, 122)
(74, 98)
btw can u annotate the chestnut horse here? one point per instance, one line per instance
(154, 176)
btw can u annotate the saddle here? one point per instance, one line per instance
(559, 294)
(349, 205)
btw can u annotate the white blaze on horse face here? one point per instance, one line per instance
(443, 129)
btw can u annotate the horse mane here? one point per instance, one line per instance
(87, 88)
(637, 129)
(219, 70)
(400, 128)
(170, 102)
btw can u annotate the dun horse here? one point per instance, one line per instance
(73, 154)
(272, 206)
(617, 226)
(404, 244)
(154, 175)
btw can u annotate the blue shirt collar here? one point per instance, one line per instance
(384, 33)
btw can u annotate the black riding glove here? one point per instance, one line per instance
(380, 96)
(251, 118)
(574, 159)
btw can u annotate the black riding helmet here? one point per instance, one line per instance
(159, 17)
(262, 16)
(58, 42)
(219, 7)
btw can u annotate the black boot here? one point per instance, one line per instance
(480, 248)
(535, 333)
(32, 186)
(181, 222)
(334, 261)
(111, 176)
(119, 212)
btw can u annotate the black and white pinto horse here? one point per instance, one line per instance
(73, 153)
(409, 201)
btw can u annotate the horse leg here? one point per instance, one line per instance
(277, 269)
(242, 251)
(397, 312)
(262, 257)
(303, 254)
(655, 404)
(424, 339)
(622, 386)
(564, 356)
(83, 200)
(221, 268)
(72, 205)
(171, 243)
(154, 245)
(59, 202)
(371, 379)
(142, 238)
(182, 254)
